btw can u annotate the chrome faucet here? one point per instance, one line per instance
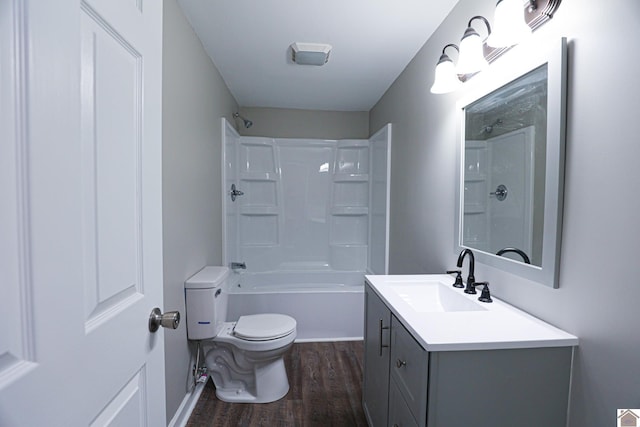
(470, 289)
(238, 266)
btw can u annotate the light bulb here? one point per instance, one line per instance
(471, 59)
(446, 80)
(509, 26)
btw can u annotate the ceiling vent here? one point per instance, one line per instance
(310, 53)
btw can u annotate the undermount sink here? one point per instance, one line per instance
(434, 297)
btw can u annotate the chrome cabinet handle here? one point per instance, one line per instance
(380, 337)
(400, 363)
(170, 319)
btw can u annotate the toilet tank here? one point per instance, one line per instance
(206, 302)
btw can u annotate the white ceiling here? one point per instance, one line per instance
(373, 41)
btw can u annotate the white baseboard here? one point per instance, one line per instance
(186, 407)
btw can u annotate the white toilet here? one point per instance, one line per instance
(244, 358)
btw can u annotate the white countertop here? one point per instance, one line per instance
(495, 325)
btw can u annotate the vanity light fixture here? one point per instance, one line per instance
(509, 26)
(471, 58)
(446, 80)
(509, 30)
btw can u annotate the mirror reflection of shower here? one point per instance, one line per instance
(246, 122)
(499, 191)
(489, 128)
(504, 170)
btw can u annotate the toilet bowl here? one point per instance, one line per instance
(244, 358)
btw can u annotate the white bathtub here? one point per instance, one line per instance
(328, 306)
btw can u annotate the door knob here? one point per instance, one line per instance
(170, 319)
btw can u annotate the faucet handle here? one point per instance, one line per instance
(458, 282)
(485, 295)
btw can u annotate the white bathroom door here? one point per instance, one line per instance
(80, 218)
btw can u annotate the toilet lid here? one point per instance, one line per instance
(261, 327)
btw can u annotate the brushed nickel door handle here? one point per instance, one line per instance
(170, 319)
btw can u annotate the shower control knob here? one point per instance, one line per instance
(235, 193)
(170, 319)
(500, 193)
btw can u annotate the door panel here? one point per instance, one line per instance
(16, 340)
(80, 162)
(111, 143)
(121, 146)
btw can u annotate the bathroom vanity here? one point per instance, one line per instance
(437, 357)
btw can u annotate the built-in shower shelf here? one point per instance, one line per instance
(259, 176)
(474, 177)
(353, 143)
(349, 210)
(260, 245)
(350, 177)
(475, 144)
(474, 208)
(259, 210)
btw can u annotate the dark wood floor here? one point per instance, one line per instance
(325, 390)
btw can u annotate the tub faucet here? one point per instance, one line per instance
(238, 266)
(470, 289)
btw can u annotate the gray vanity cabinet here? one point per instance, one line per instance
(375, 396)
(399, 413)
(406, 386)
(395, 369)
(409, 371)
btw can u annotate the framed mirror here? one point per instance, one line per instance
(511, 159)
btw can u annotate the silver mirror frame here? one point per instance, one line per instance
(499, 75)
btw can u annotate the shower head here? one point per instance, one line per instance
(489, 128)
(247, 123)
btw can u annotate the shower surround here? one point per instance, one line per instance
(309, 220)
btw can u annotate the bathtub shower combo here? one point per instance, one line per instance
(304, 220)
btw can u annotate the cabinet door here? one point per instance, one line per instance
(375, 399)
(399, 413)
(409, 369)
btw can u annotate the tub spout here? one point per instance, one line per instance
(238, 266)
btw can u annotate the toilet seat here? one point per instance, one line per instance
(264, 327)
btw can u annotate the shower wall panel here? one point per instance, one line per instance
(305, 168)
(304, 204)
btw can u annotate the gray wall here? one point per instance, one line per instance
(290, 123)
(599, 295)
(194, 99)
